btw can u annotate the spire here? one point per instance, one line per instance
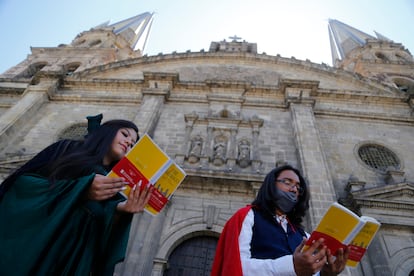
(344, 39)
(135, 29)
(382, 37)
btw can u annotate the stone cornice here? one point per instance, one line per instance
(156, 92)
(240, 92)
(370, 116)
(12, 87)
(95, 84)
(223, 177)
(393, 205)
(383, 190)
(386, 197)
(358, 95)
(226, 57)
(69, 50)
(200, 183)
(249, 89)
(97, 99)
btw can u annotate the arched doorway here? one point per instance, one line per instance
(192, 257)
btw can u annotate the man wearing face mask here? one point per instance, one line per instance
(266, 237)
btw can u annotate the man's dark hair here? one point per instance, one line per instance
(265, 199)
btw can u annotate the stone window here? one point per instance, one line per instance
(80, 42)
(381, 56)
(404, 85)
(403, 56)
(95, 42)
(378, 157)
(74, 132)
(33, 69)
(71, 68)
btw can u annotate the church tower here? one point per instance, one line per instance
(100, 45)
(377, 58)
(228, 116)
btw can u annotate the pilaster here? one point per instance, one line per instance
(312, 159)
(144, 234)
(150, 110)
(33, 98)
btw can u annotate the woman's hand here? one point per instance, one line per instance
(137, 199)
(310, 261)
(104, 187)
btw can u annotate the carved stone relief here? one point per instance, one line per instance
(219, 150)
(212, 142)
(195, 149)
(243, 158)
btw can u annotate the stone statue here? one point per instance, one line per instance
(219, 152)
(243, 157)
(195, 149)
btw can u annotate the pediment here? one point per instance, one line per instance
(400, 192)
(253, 69)
(390, 204)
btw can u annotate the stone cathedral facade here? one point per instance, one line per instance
(228, 115)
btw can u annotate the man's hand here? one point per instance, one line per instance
(334, 266)
(310, 261)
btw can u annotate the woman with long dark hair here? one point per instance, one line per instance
(60, 214)
(266, 237)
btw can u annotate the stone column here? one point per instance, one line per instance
(232, 152)
(206, 153)
(143, 244)
(378, 260)
(145, 229)
(189, 124)
(255, 123)
(207, 149)
(312, 159)
(33, 98)
(233, 144)
(150, 110)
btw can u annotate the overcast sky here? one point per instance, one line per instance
(296, 28)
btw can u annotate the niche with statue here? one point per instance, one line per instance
(221, 141)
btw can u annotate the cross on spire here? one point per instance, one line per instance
(235, 38)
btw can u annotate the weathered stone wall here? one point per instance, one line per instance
(342, 136)
(285, 110)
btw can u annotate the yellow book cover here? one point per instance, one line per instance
(340, 227)
(146, 164)
(165, 187)
(362, 240)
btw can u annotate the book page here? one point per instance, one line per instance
(165, 187)
(141, 163)
(147, 157)
(146, 164)
(362, 240)
(335, 227)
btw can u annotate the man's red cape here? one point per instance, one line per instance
(227, 259)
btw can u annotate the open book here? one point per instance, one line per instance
(146, 164)
(340, 227)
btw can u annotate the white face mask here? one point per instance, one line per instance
(285, 201)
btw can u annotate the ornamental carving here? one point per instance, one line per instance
(195, 149)
(243, 157)
(221, 140)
